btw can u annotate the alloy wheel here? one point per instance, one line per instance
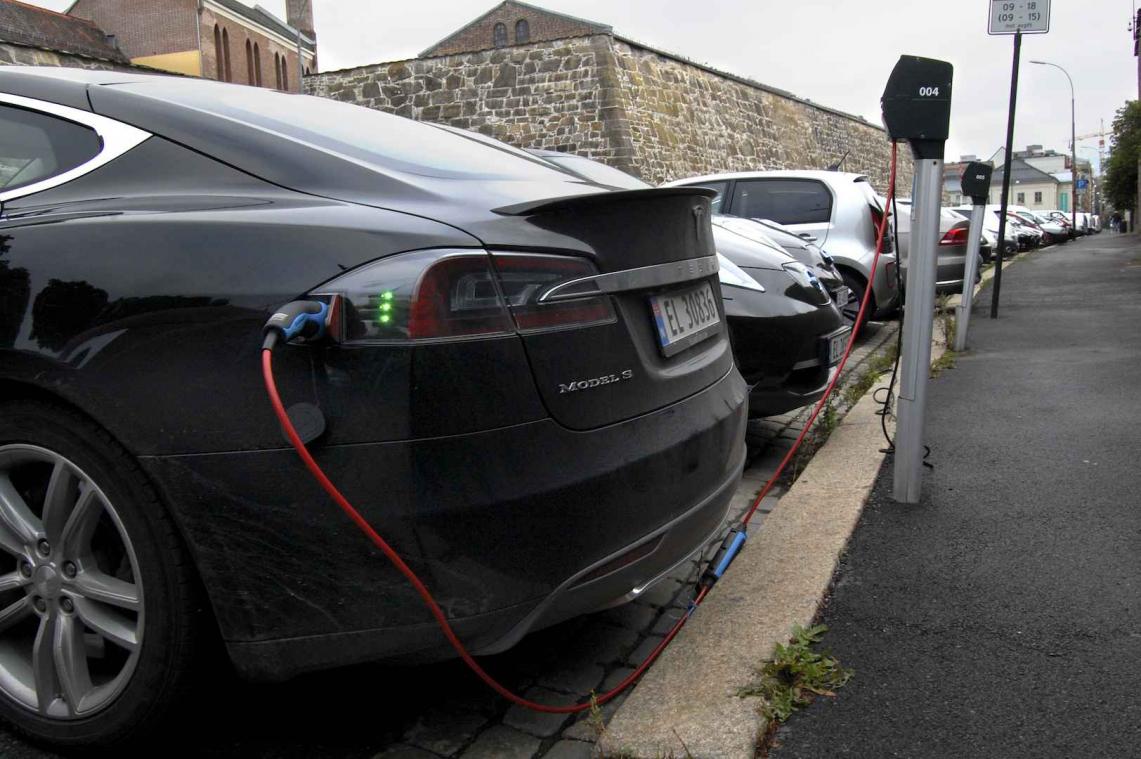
(71, 604)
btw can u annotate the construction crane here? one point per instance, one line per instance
(1100, 142)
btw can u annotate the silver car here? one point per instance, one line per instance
(951, 255)
(837, 211)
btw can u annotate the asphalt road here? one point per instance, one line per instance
(1002, 615)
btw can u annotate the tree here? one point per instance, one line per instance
(1121, 168)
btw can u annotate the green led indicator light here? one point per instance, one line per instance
(385, 319)
(385, 306)
(386, 295)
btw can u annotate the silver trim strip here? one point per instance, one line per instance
(116, 136)
(633, 279)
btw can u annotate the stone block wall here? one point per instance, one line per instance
(640, 110)
(552, 95)
(19, 55)
(685, 119)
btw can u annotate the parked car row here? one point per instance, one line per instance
(536, 381)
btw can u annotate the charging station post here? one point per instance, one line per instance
(917, 108)
(976, 185)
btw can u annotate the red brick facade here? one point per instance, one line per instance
(500, 27)
(255, 57)
(237, 43)
(143, 27)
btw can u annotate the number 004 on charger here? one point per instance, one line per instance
(684, 317)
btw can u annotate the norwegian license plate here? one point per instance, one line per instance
(685, 317)
(842, 295)
(836, 345)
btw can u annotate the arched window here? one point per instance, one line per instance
(226, 70)
(522, 31)
(307, 71)
(284, 74)
(499, 35)
(257, 65)
(277, 71)
(250, 63)
(218, 54)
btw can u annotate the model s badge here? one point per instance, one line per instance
(607, 379)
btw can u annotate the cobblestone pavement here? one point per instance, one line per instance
(442, 710)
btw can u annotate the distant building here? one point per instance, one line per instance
(514, 23)
(1029, 186)
(217, 39)
(1054, 164)
(540, 79)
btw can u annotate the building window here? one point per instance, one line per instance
(1020, 198)
(499, 35)
(218, 54)
(277, 71)
(250, 79)
(1064, 201)
(226, 70)
(522, 31)
(1037, 198)
(284, 74)
(257, 65)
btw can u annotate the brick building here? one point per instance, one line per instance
(217, 39)
(536, 78)
(514, 23)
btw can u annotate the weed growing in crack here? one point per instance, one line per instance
(946, 361)
(797, 675)
(947, 321)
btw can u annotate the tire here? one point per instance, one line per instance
(116, 672)
(859, 288)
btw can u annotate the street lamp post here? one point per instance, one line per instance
(1073, 143)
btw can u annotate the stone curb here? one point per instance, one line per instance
(687, 704)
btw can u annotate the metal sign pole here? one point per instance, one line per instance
(917, 327)
(1004, 202)
(970, 271)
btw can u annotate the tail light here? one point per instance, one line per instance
(877, 219)
(434, 294)
(956, 236)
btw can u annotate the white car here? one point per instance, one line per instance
(837, 211)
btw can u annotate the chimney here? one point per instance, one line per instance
(299, 15)
(1034, 149)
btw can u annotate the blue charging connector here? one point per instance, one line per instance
(728, 551)
(300, 318)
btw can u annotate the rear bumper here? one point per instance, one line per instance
(512, 529)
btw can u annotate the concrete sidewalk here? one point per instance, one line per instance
(1002, 616)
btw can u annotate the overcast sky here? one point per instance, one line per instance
(835, 52)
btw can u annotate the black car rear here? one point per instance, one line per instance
(532, 393)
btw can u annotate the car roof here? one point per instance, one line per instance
(299, 141)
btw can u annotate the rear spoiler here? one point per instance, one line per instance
(574, 202)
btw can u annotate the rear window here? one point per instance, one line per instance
(785, 201)
(35, 146)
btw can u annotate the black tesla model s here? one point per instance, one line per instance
(529, 390)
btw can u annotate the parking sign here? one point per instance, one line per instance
(1026, 16)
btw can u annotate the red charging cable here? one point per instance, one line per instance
(426, 595)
